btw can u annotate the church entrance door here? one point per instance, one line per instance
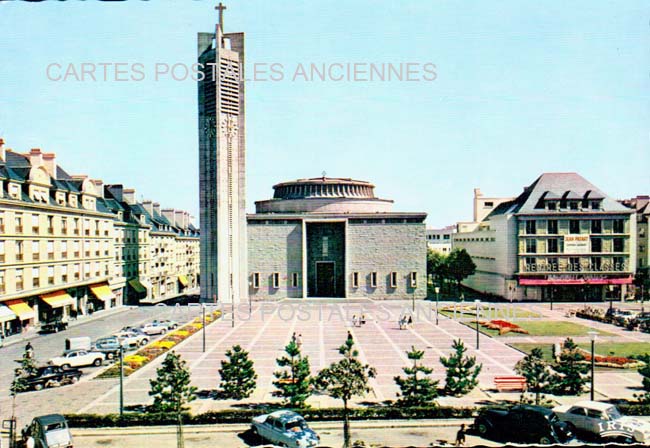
(325, 279)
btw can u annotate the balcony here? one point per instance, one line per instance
(75, 231)
(2, 258)
(87, 253)
(19, 229)
(36, 229)
(77, 276)
(64, 278)
(2, 289)
(19, 285)
(64, 255)
(36, 283)
(2, 228)
(19, 257)
(76, 254)
(50, 230)
(50, 280)
(36, 256)
(87, 232)
(50, 256)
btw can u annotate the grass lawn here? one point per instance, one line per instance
(624, 349)
(543, 328)
(504, 313)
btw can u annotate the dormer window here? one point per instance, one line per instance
(595, 205)
(573, 205)
(551, 205)
(14, 191)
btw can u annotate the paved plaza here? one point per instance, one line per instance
(324, 326)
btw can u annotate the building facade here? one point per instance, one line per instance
(439, 240)
(327, 237)
(222, 165)
(69, 247)
(641, 206)
(561, 239)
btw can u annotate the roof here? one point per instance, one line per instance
(593, 405)
(285, 416)
(550, 186)
(50, 419)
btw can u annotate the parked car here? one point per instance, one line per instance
(52, 376)
(285, 428)
(169, 324)
(153, 328)
(49, 431)
(128, 338)
(603, 421)
(54, 326)
(108, 346)
(78, 343)
(78, 358)
(524, 424)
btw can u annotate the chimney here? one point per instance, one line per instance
(99, 187)
(148, 206)
(178, 218)
(35, 157)
(168, 213)
(186, 220)
(2, 150)
(49, 160)
(156, 207)
(477, 193)
(128, 195)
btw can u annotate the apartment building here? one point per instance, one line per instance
(561, 239)
(70, 245)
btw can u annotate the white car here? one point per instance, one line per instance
(285, 428)
(169, 324)
(78, 358)
(130, 338)
(153, 328)
(603, 420)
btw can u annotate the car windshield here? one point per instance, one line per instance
(552, 418)
(296, 425)
(613, 413)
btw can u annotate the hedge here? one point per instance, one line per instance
(245, 416)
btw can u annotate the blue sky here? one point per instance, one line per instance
(522, 88)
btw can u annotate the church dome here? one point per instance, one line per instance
(324, 195)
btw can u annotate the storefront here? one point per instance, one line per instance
(183, 282)
(25, 315)
(6, 317)
(102, 296)
(58, 305)
(137, 291)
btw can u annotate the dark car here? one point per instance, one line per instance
(524, 424)
(109, 346)
(52, 376)
(54, 326)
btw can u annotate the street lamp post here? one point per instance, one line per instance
(592, 337)
(203, 328)
(611, 298)
(121, 380)
(478, 303)
(437, 290)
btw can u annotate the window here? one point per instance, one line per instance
(64, 273)
(619, 244)
(75, 226)
(256, 280)
(36, 277)
(595, 205)
(64, 225)
(618, 263)
(552, 246)
(596, 226)
(531, 264)
(355, 279)
(50, 275)
(19, 224)
(531, 246)
(552, 265)
(275, 279)
(574, 264)
(87, 270)
(76, 248)
(551, 205)
(2, 251)
(596, 244)
(64, 248)
(551, 226)
(326, 246)
(50, 224)
(35, 226)
(77, 274)
(574, 226)
(373, 279)
(531, 227)
(619, 226)
(414, 279)
(393, 279)
(36, 251)
(573, 205)
(19, 250)
(294, 279)
(596, 263)
(2, 282)
(19, 280)
(488, 204)
(50, 250)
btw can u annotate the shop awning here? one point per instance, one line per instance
(58, 299)
(21, 309)
(102, 291)
(183, 280)
(6, 314)
(576, 281)
(137, 286)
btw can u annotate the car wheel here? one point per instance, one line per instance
(571, 427)
(144, 342)
(65, 366)
(38, 386)
(109, 356)
(163, 331)
(97, 362)
(545, 440)
(74, 379)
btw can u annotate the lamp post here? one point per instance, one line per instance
(121, 380)
(437, 290)
(203, 328)
(611, 298)
(592, 337)
(478, 303)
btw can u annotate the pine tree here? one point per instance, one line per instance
(238, 377)
(345, 379)
(535, 369)
(644, 371)
(416, 391)
(293, 383)
(572, 370)
(172, 391)
(462, 370)
(27, 368)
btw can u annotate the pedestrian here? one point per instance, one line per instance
(354, 320)
(363, 319)
(460, 436)
(400, 322)
(410, 321)
(29, 350)
(299, 341)
(350, 335)
(293, 337)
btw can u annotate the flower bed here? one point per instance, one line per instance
(503, 326)
(151, 351)
(617, 362)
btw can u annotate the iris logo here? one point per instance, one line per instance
(615, 429)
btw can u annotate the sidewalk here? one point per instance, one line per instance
(33, 332)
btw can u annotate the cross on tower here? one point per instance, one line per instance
(221, 8)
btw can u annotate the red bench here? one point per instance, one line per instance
(510, 383)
